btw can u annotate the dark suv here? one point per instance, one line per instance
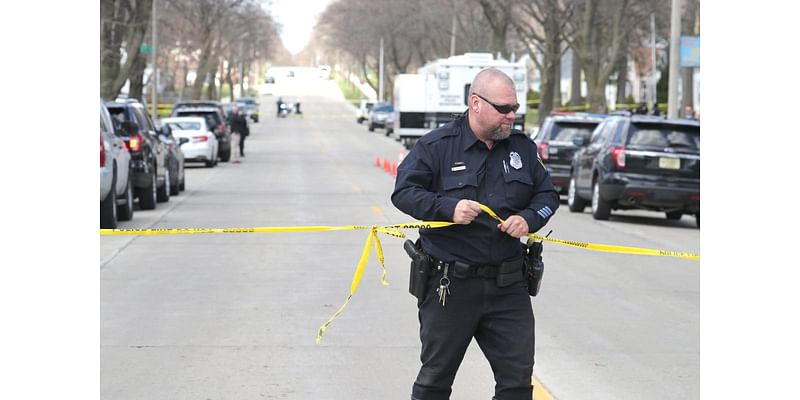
(216, 118)
(149, 155)
(638, 162)
(556, 146)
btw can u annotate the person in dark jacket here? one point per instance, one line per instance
(240, 130)
(476, 286)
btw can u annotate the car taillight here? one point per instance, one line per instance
(544, 151)
(102, 152)
(618, 153)
(134, 143)
(197, 139)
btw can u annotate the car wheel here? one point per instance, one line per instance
(175, 187)
(162, 194)
(360, 120)
(674, 215)
(108, 207)
(147, 196)
(697, 219)
(574, 202)
(371, 127)
(125, 211)
(210, 163)
(600, 208)
(183, 182)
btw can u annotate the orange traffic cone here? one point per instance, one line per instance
(386, 165)
(377, 161)
(394, 170)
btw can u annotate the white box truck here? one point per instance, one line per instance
(437, 93)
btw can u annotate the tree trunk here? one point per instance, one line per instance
(137, 78)
(687, 78)
(575, 83)
(622, 78)
(212, 82)
(229, 79)
(111, 32)
(557, 81)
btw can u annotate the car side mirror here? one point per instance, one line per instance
(579, 141)
(182, 140)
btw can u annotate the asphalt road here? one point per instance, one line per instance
(235, 316)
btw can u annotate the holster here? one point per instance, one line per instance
(534, 266)
(420, 269)
(509, 273)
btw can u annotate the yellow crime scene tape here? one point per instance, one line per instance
(392, 230)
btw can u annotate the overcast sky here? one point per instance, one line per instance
(298, 18)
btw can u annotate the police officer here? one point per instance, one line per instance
(239, 131)
(476, 158)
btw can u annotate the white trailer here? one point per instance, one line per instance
(438, 93)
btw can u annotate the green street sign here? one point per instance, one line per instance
(145, 48)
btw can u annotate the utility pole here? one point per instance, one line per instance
(453, 38)
(652, 89)
(674, 53)
(380, 74)
(154, 88)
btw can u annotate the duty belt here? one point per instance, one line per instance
(462, 270)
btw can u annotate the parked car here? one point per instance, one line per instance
(638, 162)
(249, 106)
(175, 161)
(554, 142)
(215, 118)
(116, 188)
(363, 110)
(377, 117)
(197, 141)
(149, 155)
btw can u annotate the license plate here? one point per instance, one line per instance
(669, 163)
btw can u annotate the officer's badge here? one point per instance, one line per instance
(516, 161)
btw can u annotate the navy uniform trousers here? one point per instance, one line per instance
(500, 319)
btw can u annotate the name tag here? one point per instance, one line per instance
(458, 168)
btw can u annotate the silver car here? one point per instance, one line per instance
(197, 142)
(116, 192)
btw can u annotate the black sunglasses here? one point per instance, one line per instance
(501, 108)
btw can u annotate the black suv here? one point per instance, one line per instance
(216, 118)
(556, 146)
(638, 162)
(149, 155)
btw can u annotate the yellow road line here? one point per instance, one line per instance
(539, 391)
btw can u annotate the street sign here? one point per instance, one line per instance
(145, 48)
(690, 51)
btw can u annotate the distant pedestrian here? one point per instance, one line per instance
(688, 113)
(239, 131)
(655, 111)
(642, 109)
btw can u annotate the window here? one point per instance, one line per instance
(567, 132)
(184, 126)
(598, 132)
(664, 136)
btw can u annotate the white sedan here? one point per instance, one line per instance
(200, 144)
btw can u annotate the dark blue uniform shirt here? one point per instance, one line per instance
(449, 164)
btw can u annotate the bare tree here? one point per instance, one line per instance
(123, 26)
(540, 25)
(598, 32)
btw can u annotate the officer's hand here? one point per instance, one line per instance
(466, 211)
(514, 226)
